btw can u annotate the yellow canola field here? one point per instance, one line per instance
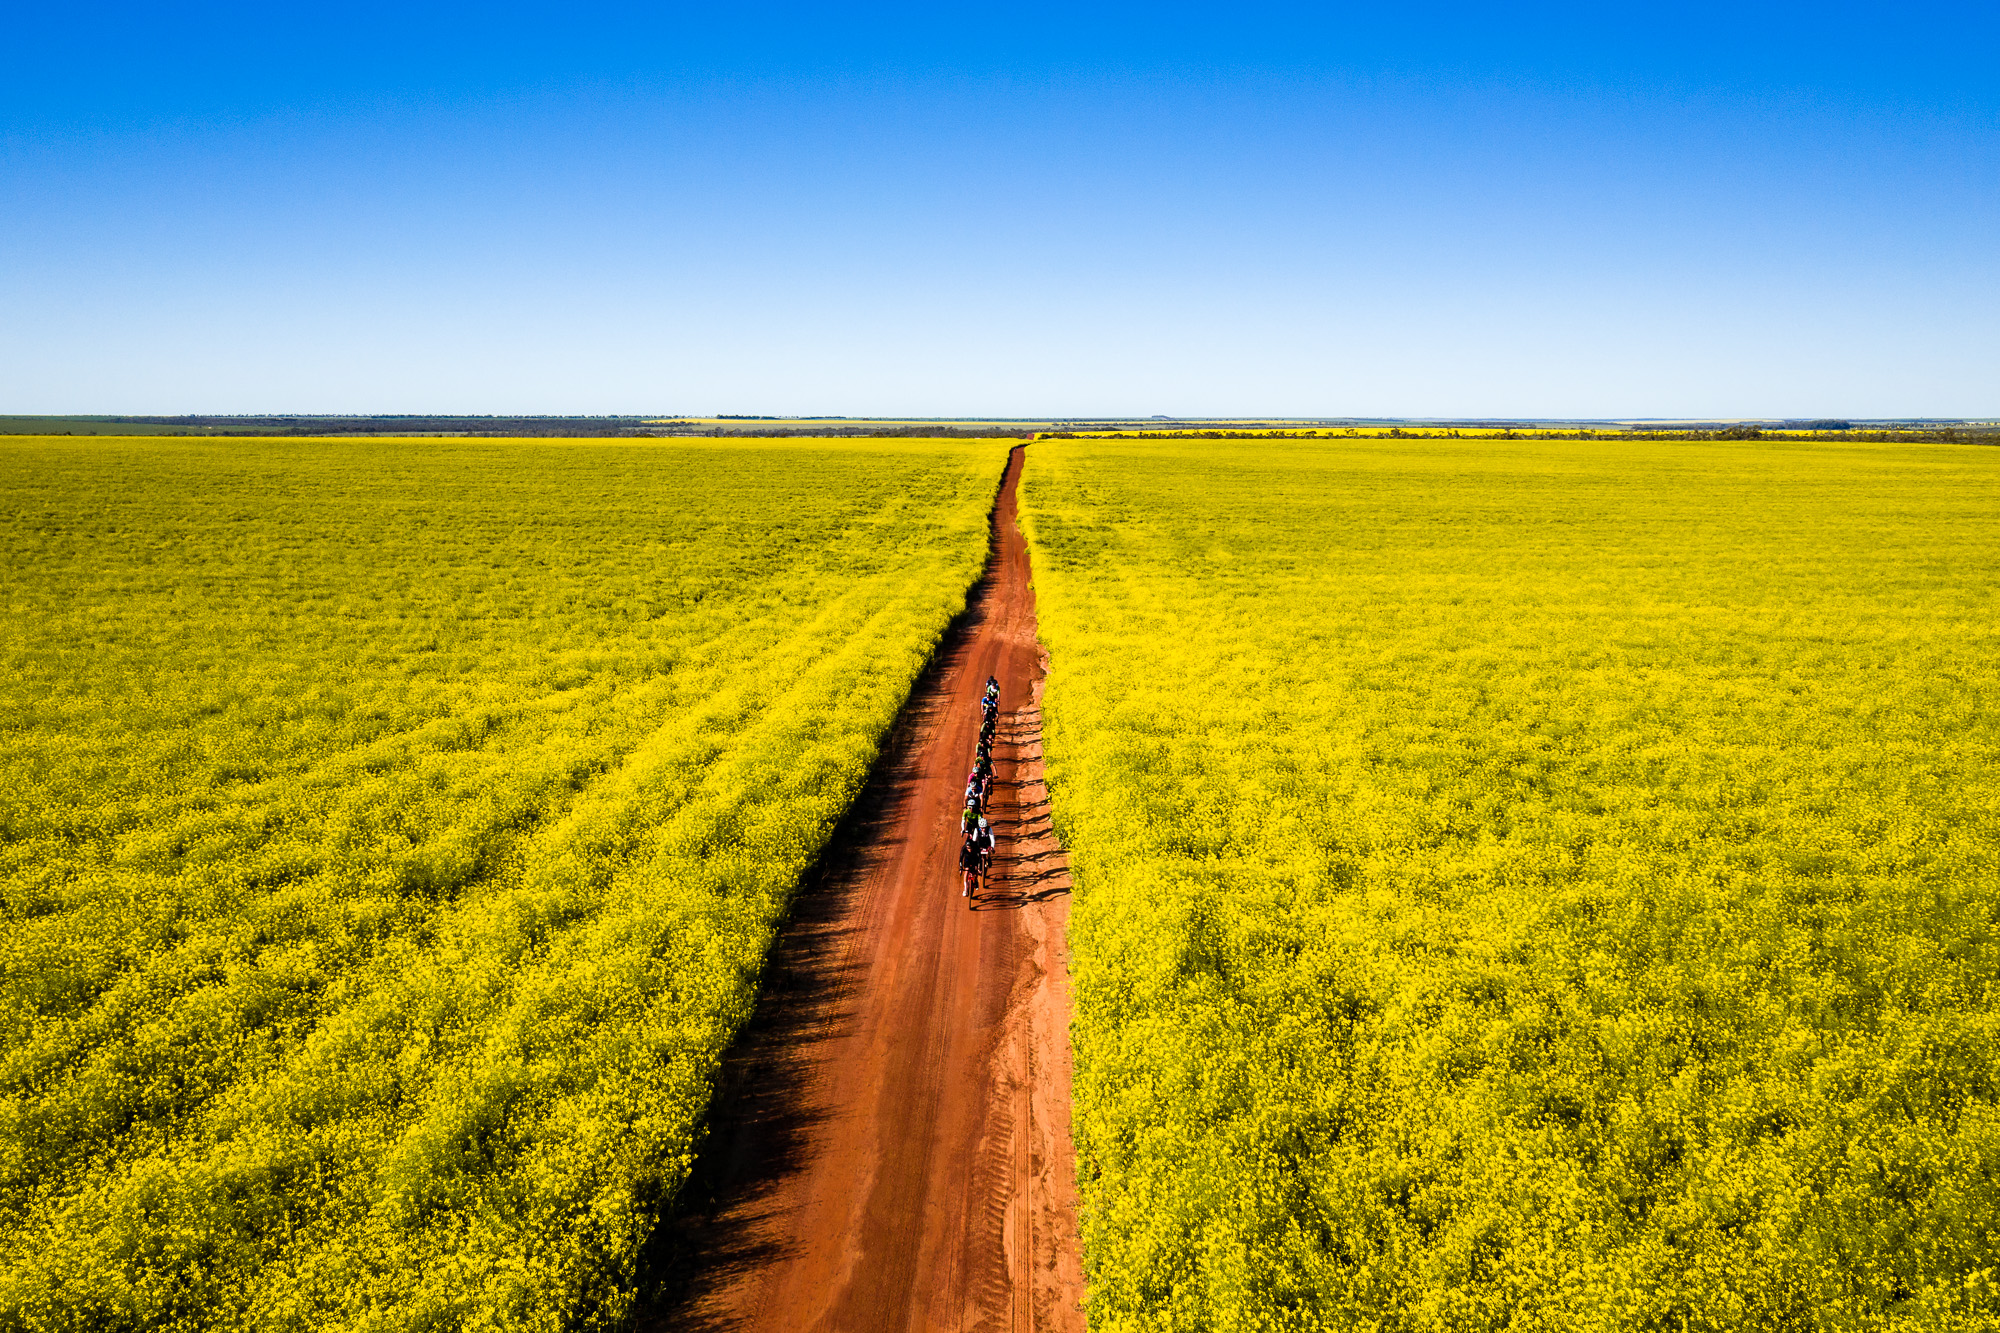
(1529, 885)
(393, 831)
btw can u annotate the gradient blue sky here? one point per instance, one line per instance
(1576, 210)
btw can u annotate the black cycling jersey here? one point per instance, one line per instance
(968, 856)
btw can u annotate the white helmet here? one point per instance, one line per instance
(982, 823)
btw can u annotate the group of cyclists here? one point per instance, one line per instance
(975, 856)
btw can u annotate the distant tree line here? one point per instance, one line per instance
(551, 427)
(1936, 435)
(398, 425)
(869, 432)
(754, 427)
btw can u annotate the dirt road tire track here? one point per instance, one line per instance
(890, 1148)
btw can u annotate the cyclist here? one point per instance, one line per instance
(993, 689)
(968, 865)
(982, 839)
(968, 819)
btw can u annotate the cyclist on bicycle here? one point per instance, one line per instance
(968, 819)
(982, 840)
(968, 865)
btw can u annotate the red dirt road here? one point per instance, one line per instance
(890, 1148)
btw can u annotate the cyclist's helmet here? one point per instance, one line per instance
(982, 824)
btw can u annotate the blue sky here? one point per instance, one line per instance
(1582, 210)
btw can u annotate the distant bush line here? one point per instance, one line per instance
(1943, 435)
(596, 428)
(869, 432)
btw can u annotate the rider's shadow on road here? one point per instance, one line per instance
(1031, 866)
(1032, 875)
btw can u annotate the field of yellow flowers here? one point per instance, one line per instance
(393, 831)
(1543, 885)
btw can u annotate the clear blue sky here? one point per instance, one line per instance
(1580, 210)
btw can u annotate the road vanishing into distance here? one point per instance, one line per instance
(890, 1147)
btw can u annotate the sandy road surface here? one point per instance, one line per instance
(891, 1149)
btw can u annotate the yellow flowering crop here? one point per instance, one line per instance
(393, 833)
(1530, 885)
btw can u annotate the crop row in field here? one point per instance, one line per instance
(1529, 885)
(392, 836)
